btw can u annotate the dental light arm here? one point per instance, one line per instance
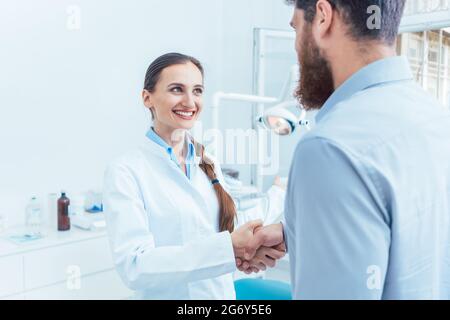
(219, 96)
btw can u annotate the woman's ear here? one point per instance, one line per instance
(147, 98)
(148, 103)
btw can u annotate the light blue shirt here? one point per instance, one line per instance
(368, 203)
(152, 135)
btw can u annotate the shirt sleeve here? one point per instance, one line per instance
(337, 235)
(140, 263)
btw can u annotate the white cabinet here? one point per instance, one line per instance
(61, 263)
(100, 286)
(11, 275)
(70, 265)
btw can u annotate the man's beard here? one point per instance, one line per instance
(316, 79)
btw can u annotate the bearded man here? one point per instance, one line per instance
(367, 212)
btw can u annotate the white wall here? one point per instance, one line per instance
(241, 18)
(70, 99)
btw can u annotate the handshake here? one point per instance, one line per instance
(257, 247)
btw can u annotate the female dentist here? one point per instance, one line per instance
(171, 224)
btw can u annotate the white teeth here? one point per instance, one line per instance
(185, 114)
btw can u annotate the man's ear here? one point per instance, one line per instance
(323, 21)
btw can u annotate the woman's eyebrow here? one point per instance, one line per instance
(176, 84)
(182, 85)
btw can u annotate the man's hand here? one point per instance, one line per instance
(243, 236)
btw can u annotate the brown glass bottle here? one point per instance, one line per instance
(63, 213)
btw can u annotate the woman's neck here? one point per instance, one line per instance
(173, 137)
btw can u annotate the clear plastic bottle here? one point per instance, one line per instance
(34, 217)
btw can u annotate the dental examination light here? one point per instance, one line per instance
(281, 121)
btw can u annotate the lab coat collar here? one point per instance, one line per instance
(190, 158)
(160, 151)
(379, 72)
(152, 135)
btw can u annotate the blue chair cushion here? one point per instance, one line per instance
(262, 289)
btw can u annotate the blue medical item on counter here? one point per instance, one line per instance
(93, 202)
(95, 209)
(25, 238)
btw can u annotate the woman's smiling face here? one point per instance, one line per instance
(177, 100)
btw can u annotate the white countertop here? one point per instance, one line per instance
(52, 238)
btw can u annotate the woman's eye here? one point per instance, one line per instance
(176, 89)
(198, 92)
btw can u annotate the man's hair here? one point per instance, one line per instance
(356, 14)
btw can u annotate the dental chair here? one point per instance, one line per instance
(262, 289)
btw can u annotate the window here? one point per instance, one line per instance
(433, 57)
(425, 6)
(432, 73)
(413, 53)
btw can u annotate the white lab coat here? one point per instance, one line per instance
(163, 228)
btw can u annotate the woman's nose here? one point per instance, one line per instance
(189, 100)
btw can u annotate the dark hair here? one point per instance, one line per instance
(156, 67)
(227, 209)
(355, 14)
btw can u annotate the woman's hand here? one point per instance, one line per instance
(243, 236)
(264, 257)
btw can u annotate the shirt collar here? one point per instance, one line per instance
(153, 136)
(379, 72)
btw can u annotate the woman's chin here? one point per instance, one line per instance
(186, 124)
